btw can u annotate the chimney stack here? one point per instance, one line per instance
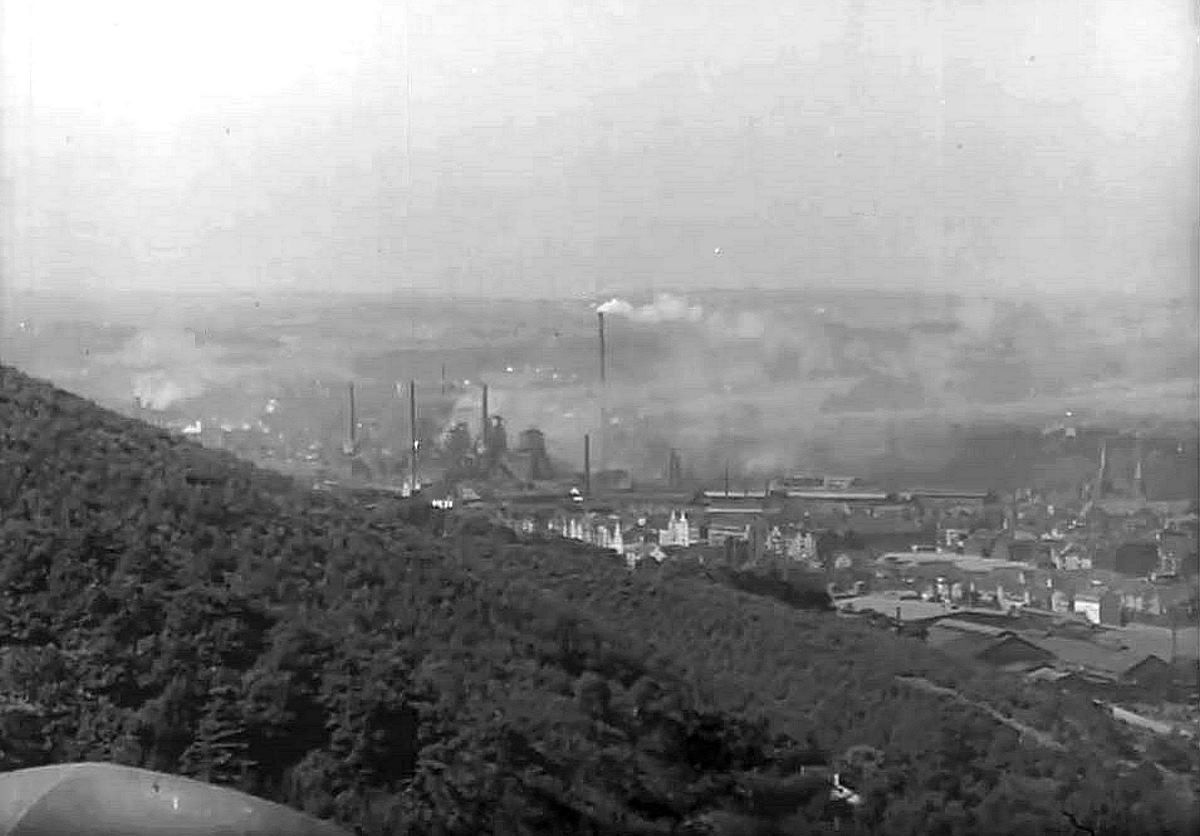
(587, 465)
(412, 422)
(600, 321)
(1139, 483)
(602, 438)
(351, 421)
(484, 425)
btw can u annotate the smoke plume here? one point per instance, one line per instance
(664, 308)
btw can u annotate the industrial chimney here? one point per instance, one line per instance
(602, 438)
(484, 427)
(351, 444)
(1139, 482)
(600, 321)
(587, 465)
(674, 470)
(412, 422)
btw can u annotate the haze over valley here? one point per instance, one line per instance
(621, 417)
(881, 384)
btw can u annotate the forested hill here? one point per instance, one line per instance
(169, 607)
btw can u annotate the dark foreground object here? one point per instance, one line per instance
(104, 799)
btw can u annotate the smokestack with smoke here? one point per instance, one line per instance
(603, 386)
(587, 465)
(664, 308)
(600, 322)
(412, 422)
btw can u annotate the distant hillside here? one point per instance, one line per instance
(167, 606)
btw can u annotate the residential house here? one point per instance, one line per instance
(1025, 547)
(1012, 587)
(1099, 607)
(730, 526)
(1151, 674)
(1060, 601)
(1073, 557)
(1140, 598)
(953, 537)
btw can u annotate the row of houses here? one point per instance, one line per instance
(681, 528)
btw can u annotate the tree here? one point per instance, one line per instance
(218, 753)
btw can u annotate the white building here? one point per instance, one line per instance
(678, 531)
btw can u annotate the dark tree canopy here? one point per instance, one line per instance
(171, 607)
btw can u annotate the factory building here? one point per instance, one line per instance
(529, 462)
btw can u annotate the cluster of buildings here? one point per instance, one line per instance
(1138, 663)
(1104, 562)
(781, 521)
(1094, 596)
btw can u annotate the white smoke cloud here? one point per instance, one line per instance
(157, 390)
(664, 308)
(167, 365)
(615, 306)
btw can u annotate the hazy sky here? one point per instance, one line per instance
(562, 146)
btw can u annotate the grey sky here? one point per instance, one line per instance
(562, 147)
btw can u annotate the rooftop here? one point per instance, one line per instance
(1148, 639)
(910, 609)
(971, 627)
(1088, 655)
(965, 562)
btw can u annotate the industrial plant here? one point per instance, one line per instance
(477, 458)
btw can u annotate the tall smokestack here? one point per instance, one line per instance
(443, 378)
(484, 426)
(1139, 484)
(412, 423)
(727, 477)
(600, 322)
(1103, 474)
(587, 465)
(603, 436)
(674, 470)
(351, 420)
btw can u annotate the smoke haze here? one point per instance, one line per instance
(619, 148)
